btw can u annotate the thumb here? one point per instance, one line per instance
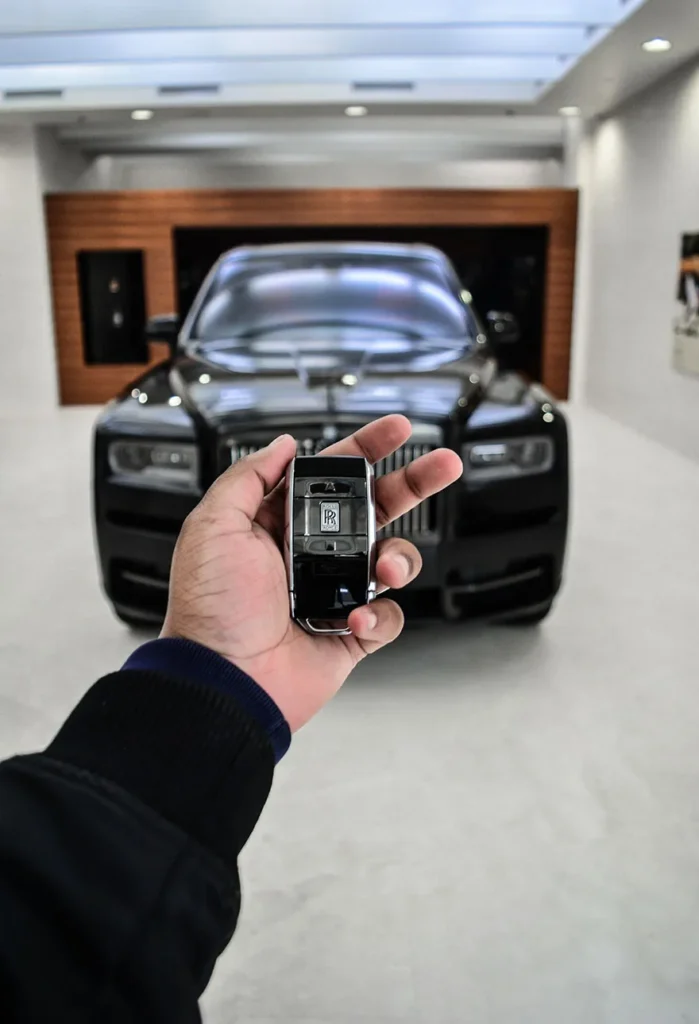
(245, 484)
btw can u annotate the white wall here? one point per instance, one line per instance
(61, 168)
(580, 177)
(640, 194)
(26, 333)
(145, 172)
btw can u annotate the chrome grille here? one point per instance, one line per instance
(306, 446)
(420, 523)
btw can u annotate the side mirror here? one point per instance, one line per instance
(503, 328)
(164, 328)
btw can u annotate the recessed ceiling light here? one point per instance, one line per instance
(569, 111)
(356, 111)
(141, 115)
(657, 45)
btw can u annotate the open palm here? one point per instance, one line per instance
(229, 591)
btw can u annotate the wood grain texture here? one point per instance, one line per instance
(146, 220)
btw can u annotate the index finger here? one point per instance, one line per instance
(374, 441)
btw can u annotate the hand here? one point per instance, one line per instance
(228, 586)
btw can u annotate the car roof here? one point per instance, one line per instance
(395, 250)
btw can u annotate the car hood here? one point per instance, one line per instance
(298, 395)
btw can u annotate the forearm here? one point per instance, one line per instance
(118, 844)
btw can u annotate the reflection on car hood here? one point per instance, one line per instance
(353, 385)
(331, 356)
(424, 398)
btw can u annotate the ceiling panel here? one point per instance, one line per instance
(337, 69)
(218, 44)
(94, 15)
(473, 51)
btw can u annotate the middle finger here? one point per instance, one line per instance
(375, 440)
(400, 491)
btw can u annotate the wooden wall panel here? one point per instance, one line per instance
(145, 220)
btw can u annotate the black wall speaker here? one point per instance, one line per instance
(113, 306)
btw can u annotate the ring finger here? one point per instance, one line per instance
(398, 562)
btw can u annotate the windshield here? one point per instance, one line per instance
(337, 300)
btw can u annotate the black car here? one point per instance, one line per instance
(316, 340)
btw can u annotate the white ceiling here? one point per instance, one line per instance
(86, 15)
(108, 53)
(472, 79)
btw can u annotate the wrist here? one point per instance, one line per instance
(270, 671)
(189, 660)
(270, 668)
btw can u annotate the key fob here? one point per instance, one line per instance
(330, 539)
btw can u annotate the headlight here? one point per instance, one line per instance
(156, 462)
(504, 460)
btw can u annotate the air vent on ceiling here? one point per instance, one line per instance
(383, 86)
(32, 94)
(188, 90)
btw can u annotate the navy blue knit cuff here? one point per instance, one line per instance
(188, 660)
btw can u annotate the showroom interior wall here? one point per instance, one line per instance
(26, 334)
(209, 171)
(640, 192)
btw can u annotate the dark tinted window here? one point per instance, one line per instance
(342, 297)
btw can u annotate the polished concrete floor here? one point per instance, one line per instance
(488, 826)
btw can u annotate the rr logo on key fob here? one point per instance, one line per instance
(330, 540)
(330, 516)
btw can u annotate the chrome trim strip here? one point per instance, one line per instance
(371, 532)
(498, 584)
(143, 580)
(289, 537)
(307, 624)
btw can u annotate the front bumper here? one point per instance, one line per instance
(474, 576)
(495, 550)
(500, 574)
(136, 532)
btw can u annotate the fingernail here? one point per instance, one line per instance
(371, 620)
(281, 437)
(406, 565)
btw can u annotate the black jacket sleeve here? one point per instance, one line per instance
(118, 847)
